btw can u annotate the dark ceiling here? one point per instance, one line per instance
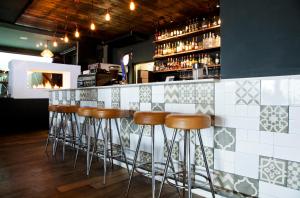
(62, 16)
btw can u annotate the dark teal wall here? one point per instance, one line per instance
(260, 38)
(141, 52)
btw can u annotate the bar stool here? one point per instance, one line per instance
(67, 113)
(188, 122)
(152, 119)
(86, 113)
(108, 115)
(51, 132)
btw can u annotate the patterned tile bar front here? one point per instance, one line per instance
(253, 151)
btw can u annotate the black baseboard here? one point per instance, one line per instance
(23, 115)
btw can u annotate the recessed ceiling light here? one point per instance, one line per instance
(23, 38)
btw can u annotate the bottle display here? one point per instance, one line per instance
(195, 43)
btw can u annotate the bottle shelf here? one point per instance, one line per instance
(185, 52)
(187, 34)
(185, 69)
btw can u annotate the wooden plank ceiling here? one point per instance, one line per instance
(63, 15)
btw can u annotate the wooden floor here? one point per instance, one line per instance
(26, 171)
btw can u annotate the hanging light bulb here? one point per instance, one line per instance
(54, 43)
(66, 39)
(41, 44)
(38, 45)
(107, 16)
(132, 5)
(77, 33)
(93, 27)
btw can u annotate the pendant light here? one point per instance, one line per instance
(92, 26)
(46, 52)
(66, 38)
(132, 5)
(76, 34)
(55, 43)
(107, 16)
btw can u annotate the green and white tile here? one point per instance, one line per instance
(274, 118)
(225, 138)
(293, 175)
(175, 150)
(273, 170)
(205, 93)
(186, 94)
(247, 92)
(171, 94)
(158, 107)
(145, 93)
(209, 152)
(205, 108)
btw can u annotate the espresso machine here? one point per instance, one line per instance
(200, 70)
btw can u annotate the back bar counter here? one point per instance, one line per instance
(252, 148)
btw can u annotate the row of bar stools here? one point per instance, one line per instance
(67, 113)
(188, 122)
(151, 119)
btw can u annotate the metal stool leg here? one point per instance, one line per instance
(50, 130)
(206, 165)
(153, 160)
(105, 150)
(169, 160)
(189, 167)
(134, 161)
(96, 134)
(122, 147)
(80, 139)
(111, 145)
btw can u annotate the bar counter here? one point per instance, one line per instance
(253, 146)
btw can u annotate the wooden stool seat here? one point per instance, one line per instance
(111, 113)
(188, 121)
(52, 108)
(150, 117)
(67, 108)
(86, 111)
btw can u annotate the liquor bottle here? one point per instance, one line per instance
(210, 40)
(217, 59)
(204, 24)
(204, 41)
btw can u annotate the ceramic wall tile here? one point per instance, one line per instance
(125, 130)
(268, 190)
(273, 170)
(247, 186)
(158, 94)
(158, 107)
(293, 175)
(175, 150)
(205, 93)
(100, 104)
(187, 93)
(294, 94)
(247, 92)
(275, 92)
(205, 109)
(145, 157)
(145, 93)
(246, 164)
(274, 118)
(171, 94)
(223, 180)
(225, 138)
(89, 94)
(209, 152)
(180, 108)
(134, 106)
(145, 106)
(115, 95)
